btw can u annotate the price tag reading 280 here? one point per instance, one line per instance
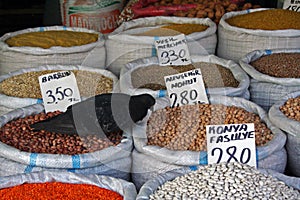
(59, 90)
(186, 88)
(172, 50)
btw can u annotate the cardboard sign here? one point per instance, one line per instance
(231, 143)
(59, 90)
(186, 88)
(172, 50)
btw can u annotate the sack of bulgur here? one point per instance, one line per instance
(220, 76)
(285, 114)
(135, 39)
(255, 29)
(273, 74)
(21, 88)
(61, 46)
(165, 139)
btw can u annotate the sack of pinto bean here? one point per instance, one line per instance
(245, 31)
(135, 39)
(273, 74)
(23, 150)
(170, 138)
(52, 45)
(21, 88)
(65, 185)
(220, 76)
(220, 181)
(286, 115)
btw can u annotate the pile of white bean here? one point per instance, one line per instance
(225, 181)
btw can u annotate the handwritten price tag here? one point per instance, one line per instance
(186, 88)
(231, 143)
(59, 90)
(172, 50)
(293, 5)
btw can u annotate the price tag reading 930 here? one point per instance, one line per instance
(59, 90)
(231, 143)
(186, 88)
(172, 50)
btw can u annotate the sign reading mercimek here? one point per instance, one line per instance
(231, 143)
(172, 50)
(59, 90)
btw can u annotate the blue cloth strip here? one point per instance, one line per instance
(76, 161)
(161, 93)
(42, 29)
(32, 163)
(193, 168)
(268, 51)
(39, 101)
(203, 158)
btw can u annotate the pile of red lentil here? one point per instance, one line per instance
(58, 191)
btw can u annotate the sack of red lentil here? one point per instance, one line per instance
(61, 46)
(21, 152)
(21, 88)
(273, 74)
(135, 39)
(220, 76)
(159, 147)
(285, 114)
(220, 181)
(63, 182)
(257, 32)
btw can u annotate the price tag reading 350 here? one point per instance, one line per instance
(231, 143)
(186, 88)
(172, 50)
(59, 90)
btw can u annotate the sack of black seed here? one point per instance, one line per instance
(219, 181)
(220, 76)
(122, 187)
(23, 150)
(21, 88)
(274, 73)
(285, 114)
(171, 138)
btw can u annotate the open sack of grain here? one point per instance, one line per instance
(274, 73)
(52, 45)
(245, 31)
(135, 39)
(65, 185)
(285, 114)
(220, 181)
(171, 138)
(21, 88)
(220, 76)
(23, 150)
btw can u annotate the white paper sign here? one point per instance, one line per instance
(59, 90)
(186, 88)
(172, 50)
(293, 5)
(231, 143)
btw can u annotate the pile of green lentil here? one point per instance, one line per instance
(18, 133)
(184, 128)
(272, 19)
(225, 181)
(152, 77)
(280, 65)
(26, 85)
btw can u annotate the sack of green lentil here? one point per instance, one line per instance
(135, 39)
(255, 29)
(21, 88)
(219, 181)
(165, 139)
(56, 182)
(273, 74)
(285, 114)
(23, 150)
(220, 76)
(53, 45)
